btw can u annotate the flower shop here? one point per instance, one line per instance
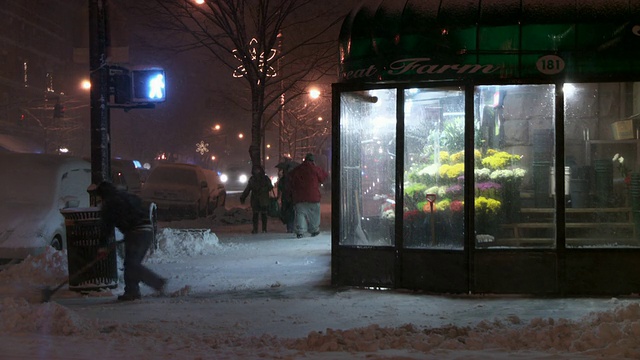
(488, 147)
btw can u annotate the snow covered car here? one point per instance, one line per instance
(34, 188)
(183, 190)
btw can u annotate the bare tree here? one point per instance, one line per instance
(308, 125)
(248, 37)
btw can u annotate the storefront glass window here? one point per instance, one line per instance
(367, 167)
(602, 151)
(433, 215)
(514, 155)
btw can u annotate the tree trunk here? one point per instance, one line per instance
(257, 110)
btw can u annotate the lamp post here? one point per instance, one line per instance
(99, 93)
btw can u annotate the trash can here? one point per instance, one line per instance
(83, 241)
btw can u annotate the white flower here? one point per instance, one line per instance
(620, 159)
(482, 174)
(430, 170)
(518, 172)
(615, 157)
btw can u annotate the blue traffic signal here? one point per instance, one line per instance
(148, 85)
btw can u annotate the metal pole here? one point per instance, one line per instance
(281, 124)
(99, 74)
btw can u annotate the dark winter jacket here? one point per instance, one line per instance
(121, 209)
(305, 182)
(259, 186)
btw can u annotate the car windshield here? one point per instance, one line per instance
(173, 175)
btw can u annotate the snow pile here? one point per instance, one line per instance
(612, 334)
(27, 279)
(17, 315)
(173, 243)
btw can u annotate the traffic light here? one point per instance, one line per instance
(58, 111)
(148, 85)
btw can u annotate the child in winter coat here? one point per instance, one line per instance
(259, 186)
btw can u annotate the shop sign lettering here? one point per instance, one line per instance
(421, 66)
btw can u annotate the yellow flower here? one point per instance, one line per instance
(457, 157)
(444, 157)
(499, 159)
(487, 205)
(454, 171)
(443, 170)
(443, 205)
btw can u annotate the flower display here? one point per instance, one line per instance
(487, 205)
(499, 159)
(497, 179)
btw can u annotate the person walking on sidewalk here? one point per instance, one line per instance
(126, 212)
(259, 186)
(287, 212)
(305, 182)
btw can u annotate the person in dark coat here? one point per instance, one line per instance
(126, 212)
(305, 194)
(287, 211)
(259, 186)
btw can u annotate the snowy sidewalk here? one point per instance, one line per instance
(236, 295)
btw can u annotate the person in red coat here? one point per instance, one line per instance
(305, 182)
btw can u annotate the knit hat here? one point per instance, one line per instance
(309, 157)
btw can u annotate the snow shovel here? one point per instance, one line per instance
(47, 292)
(431, 198)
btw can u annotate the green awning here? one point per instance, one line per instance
(399, 40)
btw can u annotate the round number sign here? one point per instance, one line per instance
(550, 64)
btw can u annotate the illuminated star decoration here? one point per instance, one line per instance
(202, 147)
(253, 50)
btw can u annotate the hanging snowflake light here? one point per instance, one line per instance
(202, 147)
(262, 62)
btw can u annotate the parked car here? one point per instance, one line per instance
(35, 187)
(235, 177)
(183, 190)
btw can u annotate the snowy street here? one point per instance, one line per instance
(235, 295)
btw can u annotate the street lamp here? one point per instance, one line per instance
(314, 93)
(85, 84)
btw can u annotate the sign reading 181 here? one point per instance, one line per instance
(550, 64)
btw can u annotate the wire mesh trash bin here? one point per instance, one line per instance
(83, 241)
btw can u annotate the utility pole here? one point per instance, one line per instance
(99, 71)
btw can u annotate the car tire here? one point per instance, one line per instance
(196, 211)
(56, 243)
(221, 200)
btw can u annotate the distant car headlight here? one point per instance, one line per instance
(243, 178)
(224, 178)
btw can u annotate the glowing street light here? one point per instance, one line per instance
(216, 127)
(314, 93)
(241, 136)
(85, 84)
(199, 2)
